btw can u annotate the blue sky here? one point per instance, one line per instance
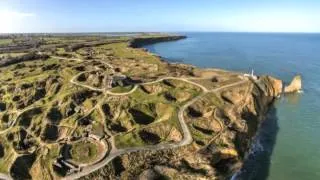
(164, 15)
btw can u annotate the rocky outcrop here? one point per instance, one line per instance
(270, 86)
(294, 86)
(152, 88)
(139, 42)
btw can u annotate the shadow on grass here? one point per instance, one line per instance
(21, 167)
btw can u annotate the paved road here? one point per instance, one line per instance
(187, 137)
(73, 81)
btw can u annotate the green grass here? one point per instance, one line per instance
(96, 116)
(181, 87)
(81, 51)
(174, 120)
(5, 41)
(199, 136)
(122, 50)
(53, 153)
(84, 151)
(139, 97)
(37, 73)
(70, 121)
(9, 156)
(132, 139)
(155, 105)
(121, 89)
(60, 50)
(214, 99)
(128, 140)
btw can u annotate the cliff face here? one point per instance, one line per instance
(139, 42)
(257, 104)
(229, 132)
(270, 86)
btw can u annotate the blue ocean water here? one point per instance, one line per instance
(290, 142)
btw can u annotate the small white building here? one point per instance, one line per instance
(251, 75)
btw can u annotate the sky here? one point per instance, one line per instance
(17, 16)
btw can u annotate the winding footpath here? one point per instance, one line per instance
(19, 113)
(114, 152)
(187, 137)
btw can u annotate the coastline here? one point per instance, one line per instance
(254, 144)
(139, 42)
(257, 95)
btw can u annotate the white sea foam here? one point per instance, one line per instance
(234, 177)
(300, 91)
(256, 147)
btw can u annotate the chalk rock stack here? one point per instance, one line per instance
(294, 86)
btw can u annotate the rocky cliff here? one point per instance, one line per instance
(183, 122)
(139, 42)
(217, 156)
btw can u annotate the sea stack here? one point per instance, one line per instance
(294, 86)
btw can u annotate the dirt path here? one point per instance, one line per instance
(19, 112)
(187, 137)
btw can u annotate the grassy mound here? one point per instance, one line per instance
(84, 151)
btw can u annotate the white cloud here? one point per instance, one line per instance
(13, 21)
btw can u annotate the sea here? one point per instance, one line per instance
(287, 146)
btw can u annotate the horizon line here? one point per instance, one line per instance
(132, 32)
